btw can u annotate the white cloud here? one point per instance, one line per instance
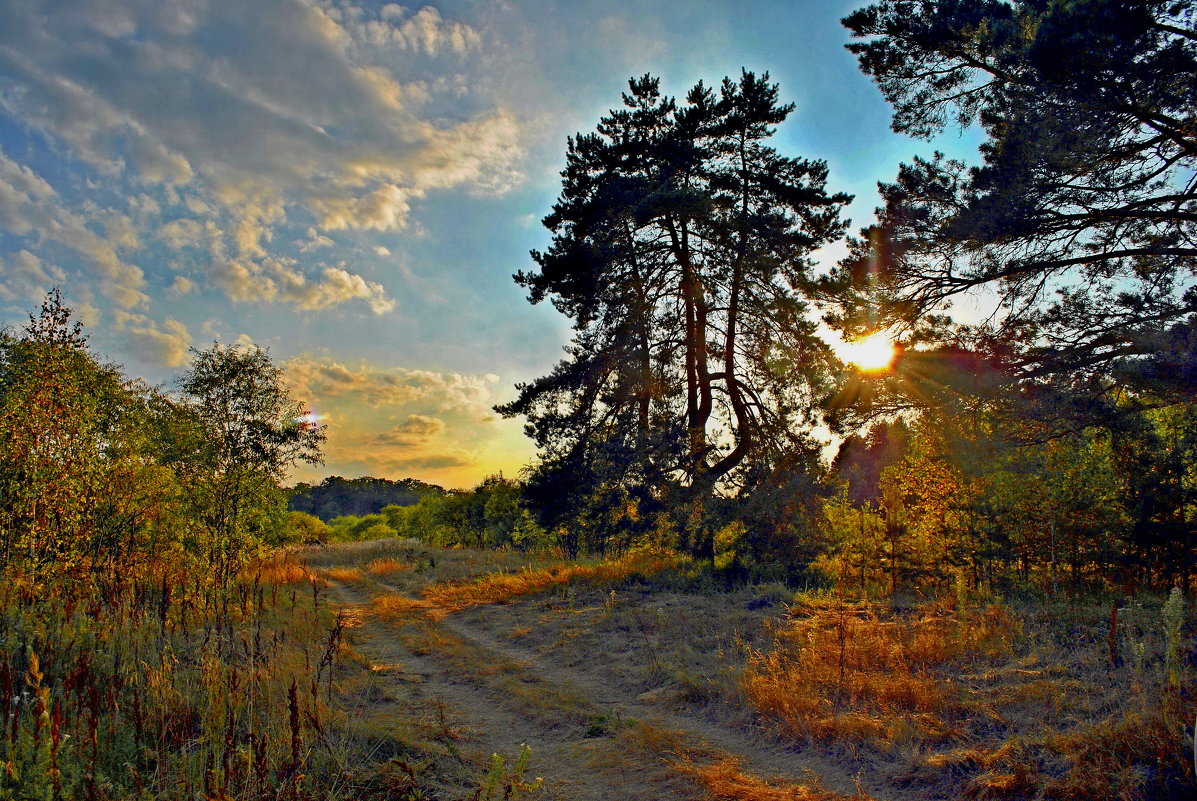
(181, 286)
(382, 251)
(24, 276)
(182, 233)
(29, 206)
(315, 241)
(336, 286)
(170, 102)
(88, 314)
(425, 31)
(250, 281)
(378, 386)
(324, 110)
(416, 429)
(164, 343)
(384, 209)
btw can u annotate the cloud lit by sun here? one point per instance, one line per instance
(872, 353)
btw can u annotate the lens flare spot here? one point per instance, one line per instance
(872, 353)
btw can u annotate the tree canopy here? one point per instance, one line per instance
(680, 241)
(1082, 220)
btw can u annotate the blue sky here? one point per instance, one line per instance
(352, 184)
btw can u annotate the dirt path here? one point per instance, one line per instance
(482, 718)
(568, 682)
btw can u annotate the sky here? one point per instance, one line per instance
(351, 185)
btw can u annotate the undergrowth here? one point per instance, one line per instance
(988, 701)
(161, 689)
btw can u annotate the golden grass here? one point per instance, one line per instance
(495, 588)
(851, 672)
(385, 567)
(979, 705)
(717, 774)
(726, 780)
(281, 572)
(443, 598)
(345, 574)
(399, 608)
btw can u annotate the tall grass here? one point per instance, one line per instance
(988, 702)
(158, 689)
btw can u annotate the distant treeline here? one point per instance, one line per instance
(493, 514)
(336, 496)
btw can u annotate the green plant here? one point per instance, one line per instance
(1173, 615)
(509, 784)
(604, 723)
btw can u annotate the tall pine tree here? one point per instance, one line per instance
(681, 242)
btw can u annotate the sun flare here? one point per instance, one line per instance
(874, 352)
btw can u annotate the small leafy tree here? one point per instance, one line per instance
(68, 437)
(237, 432)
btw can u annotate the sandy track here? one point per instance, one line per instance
(495, 685)
(486, 719)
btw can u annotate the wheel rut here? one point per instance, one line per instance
(491, 691)
(480, 718)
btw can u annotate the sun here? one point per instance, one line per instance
(872, 353)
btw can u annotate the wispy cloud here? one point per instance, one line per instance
(234, 120)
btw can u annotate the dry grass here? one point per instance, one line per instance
(854, 673)
(717, 775)
(385, 567)
(495, 588)
(345, 574)
(975, 703)
(283, 572)
(726, 780)
(399, 608)
(442, 598)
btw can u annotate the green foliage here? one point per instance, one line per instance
(1096, 511)
(134, 663)
(78, 485)
(300, 527)
(236, 434)
(336, 496)
(349, 528)
(505, 783)
(490, 515)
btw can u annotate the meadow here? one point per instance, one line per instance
(649, 673)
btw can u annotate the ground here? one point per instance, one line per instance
(625, 690)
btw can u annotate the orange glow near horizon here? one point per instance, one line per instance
(872, 353)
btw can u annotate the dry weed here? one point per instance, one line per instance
(855, 673)
(385, 567)
(726, 780)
